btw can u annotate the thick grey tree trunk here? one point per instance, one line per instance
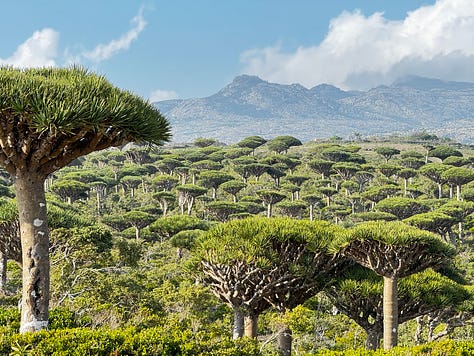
(284, 341)
(251, 326)
(238, 330)
(374, 335)
(31, 204)
(3, 272)
(390, 312)
(420, 323)
(269, 210)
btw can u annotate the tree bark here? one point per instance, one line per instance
(238, 330)
(390, 312)
(34, 234)
(3, 272)
(420, 323)
(269, 210)
(190, 205)
(284, 341)
(251, 325)
(373, 338)
(164, 207)
(98, 197)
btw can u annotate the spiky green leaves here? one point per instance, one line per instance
(394, 248)
(50, 116)
(254, 240)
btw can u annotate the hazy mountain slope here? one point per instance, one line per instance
(250, 106)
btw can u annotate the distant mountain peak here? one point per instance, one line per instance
(422, 83)
(241, 83)
(246, 79)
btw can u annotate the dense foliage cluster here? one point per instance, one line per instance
(187, 247)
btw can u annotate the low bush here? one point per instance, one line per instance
(441, 348)
(178, 340)
(166, 340)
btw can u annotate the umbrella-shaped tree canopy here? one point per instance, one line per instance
(51, 116)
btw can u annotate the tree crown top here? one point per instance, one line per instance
(396, 233)
(65, 100)
(259, 240)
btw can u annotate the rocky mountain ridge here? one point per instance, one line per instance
(251, 106)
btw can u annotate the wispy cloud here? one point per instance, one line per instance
(360, 52)
(160, 95)
(40, 50)
(104, 51)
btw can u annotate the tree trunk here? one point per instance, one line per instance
(190, 205)
(137, 233)
(98, 196)
(420, 323)
(458, 192)
(238, 330)
(31, 204)
(390, 312)
(3, 272)
(284, 341)
(373, 338)
(431, 326)
(440, 190)
(269, 210)
(311, 212)
(250, 325)
(164, 207)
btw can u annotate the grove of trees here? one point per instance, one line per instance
(275, 245)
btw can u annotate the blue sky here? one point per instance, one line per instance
(163, 49)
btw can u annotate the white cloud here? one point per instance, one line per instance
(160, 95)
(360, 52)
(39, 50)
(104, 51)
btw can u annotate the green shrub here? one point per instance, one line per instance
(10, 317)
(441, 348)
(166, 340)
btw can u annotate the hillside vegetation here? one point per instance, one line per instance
(257, 248)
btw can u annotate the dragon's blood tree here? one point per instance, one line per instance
(48, 118)
(394, 250)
